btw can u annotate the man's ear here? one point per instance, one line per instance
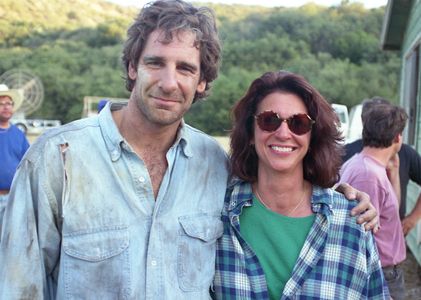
(398, 138)
(201, 86)
(132, 72)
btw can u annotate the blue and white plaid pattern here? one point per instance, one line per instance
(339, 260)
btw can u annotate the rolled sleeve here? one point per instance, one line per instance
(30, 240)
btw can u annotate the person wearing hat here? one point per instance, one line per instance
(13, 143)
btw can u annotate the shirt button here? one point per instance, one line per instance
(153, 263)
(142, 179)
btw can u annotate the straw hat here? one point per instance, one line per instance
(15, 95)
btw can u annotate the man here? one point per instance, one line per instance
(126, 205)
(409, 166)
(13, 143)
(382, 139)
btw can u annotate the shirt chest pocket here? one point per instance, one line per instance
(196, 251)
(96, 264)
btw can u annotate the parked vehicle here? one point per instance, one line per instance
(355, 123)
(342, 112)
(34, 126)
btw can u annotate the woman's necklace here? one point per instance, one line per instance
(289, 213)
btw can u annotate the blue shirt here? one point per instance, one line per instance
(13, 145)
(83, 222)
(339, 260)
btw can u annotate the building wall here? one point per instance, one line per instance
(414, 25)
(412, 39)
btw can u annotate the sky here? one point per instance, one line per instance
(268, 3)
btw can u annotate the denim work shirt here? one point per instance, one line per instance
(82, 221)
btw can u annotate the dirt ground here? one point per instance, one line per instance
(412, 277)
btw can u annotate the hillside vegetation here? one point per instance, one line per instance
(75, 47)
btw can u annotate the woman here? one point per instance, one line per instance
(287, 235)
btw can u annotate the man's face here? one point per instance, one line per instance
(6, 108)
(167, 78)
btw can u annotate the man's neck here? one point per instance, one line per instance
(382, 155)
(142, 136)
(4, 124)
(150, 142)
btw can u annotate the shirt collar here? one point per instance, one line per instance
(112, 137)
(114, 140)
(184, 139)
(321, 200)
(241, 194)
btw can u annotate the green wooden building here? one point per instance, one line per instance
(402, 32)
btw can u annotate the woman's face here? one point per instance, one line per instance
(281, 151)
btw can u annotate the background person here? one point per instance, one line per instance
(408, 164)
(101, 104)
(287, 235)
(382, 139)
(13, 142)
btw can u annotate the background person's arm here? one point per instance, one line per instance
(412, 218)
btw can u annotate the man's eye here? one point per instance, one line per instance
(153, 64)
(187, 69)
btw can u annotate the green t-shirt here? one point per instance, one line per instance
(277, 241)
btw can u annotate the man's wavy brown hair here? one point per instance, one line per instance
(173, 17)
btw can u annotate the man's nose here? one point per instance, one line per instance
(168, 80)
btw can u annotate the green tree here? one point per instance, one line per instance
(75, 48)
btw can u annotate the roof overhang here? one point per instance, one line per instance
(394, 24)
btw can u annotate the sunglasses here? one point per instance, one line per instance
(298, 124)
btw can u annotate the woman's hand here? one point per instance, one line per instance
(366, 211)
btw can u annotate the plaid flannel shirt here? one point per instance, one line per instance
(339, 260)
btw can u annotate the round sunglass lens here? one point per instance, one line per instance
(300, 124)
(268, 121)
